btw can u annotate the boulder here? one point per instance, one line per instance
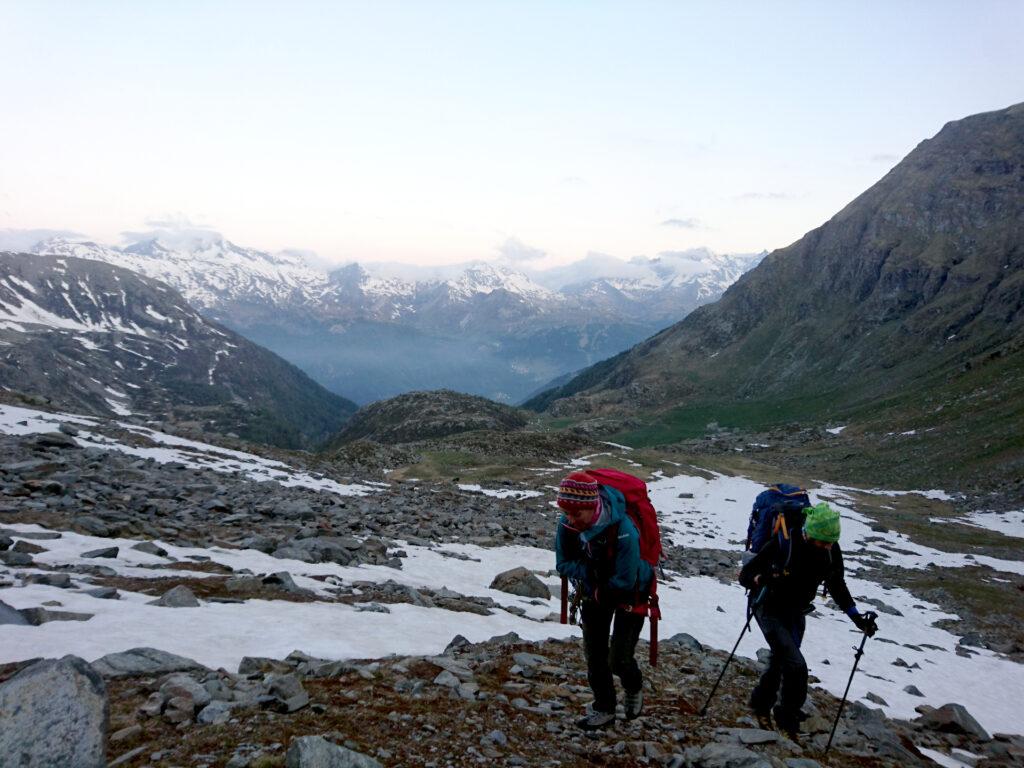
(729, 756)
(144, 661)
(102, 552)
(10, 615)
(182, 686)
(318, 752)
(287, 693)
(521, 581)
(55, 440)
(687, 641)
(177, 597)
(150, 548)
(951, 718)
(37, 616)
(54, 712)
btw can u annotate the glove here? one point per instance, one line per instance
(865, 623)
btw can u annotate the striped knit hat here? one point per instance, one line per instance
(578, 491)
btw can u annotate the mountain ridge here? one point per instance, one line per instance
(897, 302)
(102, 339)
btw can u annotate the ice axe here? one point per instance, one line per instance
(750, 614)
(870, 616)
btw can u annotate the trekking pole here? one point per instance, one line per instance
(750, 615)
(856, 660)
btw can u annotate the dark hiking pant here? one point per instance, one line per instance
(606, 658)
(786, 664)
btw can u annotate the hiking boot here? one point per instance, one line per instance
(787, 722)
(634, 705)
(595, 720)
(763, 717)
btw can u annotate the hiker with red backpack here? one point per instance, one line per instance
(598, 547)
(783, 578)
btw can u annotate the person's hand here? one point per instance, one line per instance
(866, 623)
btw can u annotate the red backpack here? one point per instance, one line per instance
(645, 518)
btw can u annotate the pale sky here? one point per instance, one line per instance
(438, 132)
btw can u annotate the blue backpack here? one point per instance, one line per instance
(779, 511)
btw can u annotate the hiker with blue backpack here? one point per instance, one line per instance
(795, 549)
(599, 548)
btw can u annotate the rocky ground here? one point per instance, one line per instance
(501, 702)
(505, 701)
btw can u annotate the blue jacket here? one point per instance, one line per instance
(609, 569)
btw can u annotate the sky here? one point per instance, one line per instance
(441, 132)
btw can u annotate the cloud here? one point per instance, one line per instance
(883, 157)
(765, 196)
(24, 239)
(683, 223)
(174, 230)
(516, 251)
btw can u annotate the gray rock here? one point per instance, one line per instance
(103, 593)
(60, 580)
(751, 736)
(52, 713)
(801, 762)
(717, 755)
(317, 752)
(144, 661)
(686, 641)
(913, 690)
(177, 597)
(951, 718)
(215, 712)
(180, 685)
(520, 581)
(283, 580)
(103, 552)
(10, 615)
(874, 698)
(55, 440)
(150, 548)
(37, 616)
(287, 692)
(16, 559)
(127, 757)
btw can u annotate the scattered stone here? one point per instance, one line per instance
(11, 615)
(177, 597)
(54, 713)
(287, 692)
(126, 734)
(144, 661)
(520, 581)
(38, 616)
(150, 548)
(951, 718)
(874, 698)
(110, 552)
(913, 690)
(687, 641)
(317, 752)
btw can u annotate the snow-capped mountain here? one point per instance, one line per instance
(367, 331)
(209, 272)
(105, 340)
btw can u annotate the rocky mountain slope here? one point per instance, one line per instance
(100, 339)
(909, 302)
(366, 332)
(420, 416)
(405, 646)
